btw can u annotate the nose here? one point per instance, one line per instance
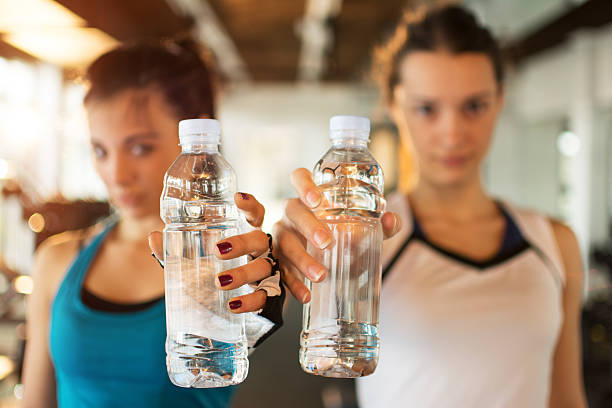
(121, 170)
(452, 132)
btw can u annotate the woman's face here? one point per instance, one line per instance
(448, 105)
(134, 138)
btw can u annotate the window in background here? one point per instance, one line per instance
(544, 185)
(78, 178)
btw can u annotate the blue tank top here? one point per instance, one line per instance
(108, 360)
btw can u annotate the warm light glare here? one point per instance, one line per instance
(67, 46)
(51, 32)
(4, 169)
(36, 222)
(568, 144)
(17, 15)
(24, 284)
(6, 366)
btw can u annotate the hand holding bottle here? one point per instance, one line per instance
(340, 322)
(253, 243)
(299, 225)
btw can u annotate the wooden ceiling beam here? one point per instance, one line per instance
(361, 25)
(130, 20)
(591, 14)
(264, 34)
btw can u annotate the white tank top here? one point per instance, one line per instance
(455, 334)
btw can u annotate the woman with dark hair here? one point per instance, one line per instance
(96, 317)
(480, 302)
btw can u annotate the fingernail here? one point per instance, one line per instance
(244, 196)
(235, 304)
(225, 280)
(305, 297)
(224, 247)
(396, 223)
(313, 198)
(315, 272)
(322, 238)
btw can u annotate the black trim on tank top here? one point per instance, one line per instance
(97, 303)
(513, 244)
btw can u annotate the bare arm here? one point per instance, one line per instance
(38, 370)
(567, 389)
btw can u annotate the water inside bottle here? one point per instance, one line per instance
(213, 352)
(341, 336)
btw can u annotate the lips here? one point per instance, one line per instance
(454, 161)
(129, 199)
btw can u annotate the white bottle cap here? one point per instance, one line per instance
(343, 126)
(204, 131)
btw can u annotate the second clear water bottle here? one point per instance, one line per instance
(340, 323)
(206, 344)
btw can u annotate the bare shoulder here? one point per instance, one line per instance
(566, 239)
(568, 247)
(54, 255)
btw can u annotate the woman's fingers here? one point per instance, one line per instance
(295, 283)
(307, 190)
(252, 209)
(291, 249)
(156, 243)
(253, 271)
(248, 303)
(391, 223)
(305, 222)
(254, 242)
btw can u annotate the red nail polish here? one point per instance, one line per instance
(244, 196)
(235, 304)
(225, 280)
(224, 247)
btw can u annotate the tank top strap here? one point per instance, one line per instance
(77, 271)
(537, 229)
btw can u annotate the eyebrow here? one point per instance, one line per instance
(134, 138)
(141, 136)
(481, 94)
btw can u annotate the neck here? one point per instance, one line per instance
(459, 202)
(136, 230)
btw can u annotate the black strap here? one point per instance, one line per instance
(273, 308)
(397, 255)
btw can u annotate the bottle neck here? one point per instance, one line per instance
(352, 142)
(200, 148)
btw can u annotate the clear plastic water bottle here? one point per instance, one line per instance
(206, 344)
(339, 332)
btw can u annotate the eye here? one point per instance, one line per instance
(141, 150)
(99, 152)
(425, 110)
(475, 107)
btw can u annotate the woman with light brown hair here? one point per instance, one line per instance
(480, 302)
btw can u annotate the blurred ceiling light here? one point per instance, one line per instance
(23, 284)
(568, 144)
(51, 32)
(36, 222)
(67, 46)
(17, 15)
(6, 366)
(4, 169)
